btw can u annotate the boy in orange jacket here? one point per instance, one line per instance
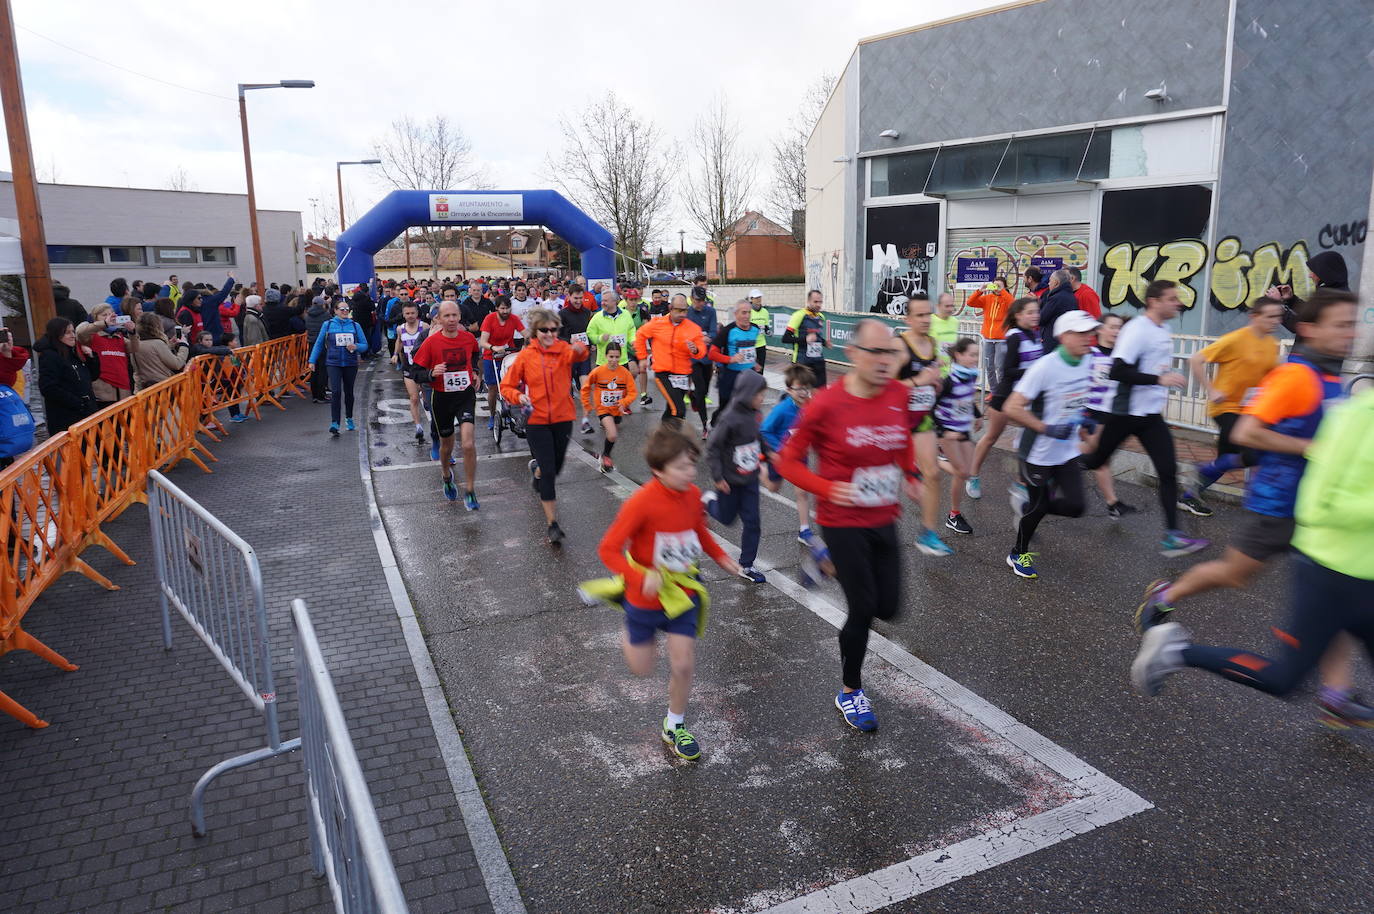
(609, 392)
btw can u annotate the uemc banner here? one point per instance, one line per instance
(841, 325)
(476, 209)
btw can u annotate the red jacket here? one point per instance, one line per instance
(10, 366)
(1088, 300)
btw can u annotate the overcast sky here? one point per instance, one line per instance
(503, 72)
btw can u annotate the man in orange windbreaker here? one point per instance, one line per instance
(675, 341)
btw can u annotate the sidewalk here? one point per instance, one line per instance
(95, 806)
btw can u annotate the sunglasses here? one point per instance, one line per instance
(547, 330)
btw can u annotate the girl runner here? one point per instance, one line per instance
(1100, 405)
(608, 393)
(956, 417)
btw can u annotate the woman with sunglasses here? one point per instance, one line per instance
(540, 379)
(341, 339)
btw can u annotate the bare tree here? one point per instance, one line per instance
(324, 211)
(433, 155)
(786, 199)
(620, 169)
(180, 179)
(50, 174)
(720, 180)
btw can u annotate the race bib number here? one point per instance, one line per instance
(814, 350)
(616, 338)
(743, 357)
(747, 457)
(580, 338)
(455, 381)
(676, 551)
(680, 381)
(1101, 372)
(343, 340)
(921, 399)
(1074, 406)
(876, 487)
(610, 398)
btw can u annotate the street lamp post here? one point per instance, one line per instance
(338, 173)
(681, 250)
(248, 164)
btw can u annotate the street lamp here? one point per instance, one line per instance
(681, 251)
(338, 173)
(248, 162)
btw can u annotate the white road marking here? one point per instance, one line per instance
(432, 464)
(1101, 800)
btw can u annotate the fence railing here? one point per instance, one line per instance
(57, 497)
(346, 839)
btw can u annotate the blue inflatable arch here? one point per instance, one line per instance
(401, 209)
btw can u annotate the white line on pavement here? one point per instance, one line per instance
(432, 464)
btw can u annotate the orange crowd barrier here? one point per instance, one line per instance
(55, 499)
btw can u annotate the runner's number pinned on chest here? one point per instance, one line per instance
(876, 487)
(676, 551)
(343, 340)
(455, 381)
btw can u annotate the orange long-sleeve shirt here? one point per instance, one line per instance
(608, 392)
(546, 374)
(653, 525)
(994, 306)
(670, 341)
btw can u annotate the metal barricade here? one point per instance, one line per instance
(346, 839)
(211, 576)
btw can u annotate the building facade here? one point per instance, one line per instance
(98, 233)
(761, 248)
(1218, 143)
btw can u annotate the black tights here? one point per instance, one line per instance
(868, 565)
(1050, 490)
(1153, 435)
(548, 446)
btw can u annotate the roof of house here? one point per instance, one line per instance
(756, 223)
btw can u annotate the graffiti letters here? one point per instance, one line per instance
(1013, 258)
(1239, 277)
(1333, 236)
(1129, 270)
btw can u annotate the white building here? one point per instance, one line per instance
(95, 234)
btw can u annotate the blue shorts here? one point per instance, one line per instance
(489, 371)
(640, 624)
(773, 474)
(581, 369)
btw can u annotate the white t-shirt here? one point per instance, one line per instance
(1150, 348)
(1058, 392)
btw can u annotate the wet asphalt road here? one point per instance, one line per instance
(1256, 807)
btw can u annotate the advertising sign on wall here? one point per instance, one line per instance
(974, 272)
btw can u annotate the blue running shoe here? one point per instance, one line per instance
(334, 429)
(434, 450)
(857, 710)
(470, 501)
(1176, 544)
(973, 487)
(929, 542)
(348, 424)
(239, 418)
(1023, 565)
(806, 537)
(450, 490)
(752, 576)
(491, 422)
(683, 744)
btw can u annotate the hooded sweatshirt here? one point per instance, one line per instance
(734, 449)
(1331, 272)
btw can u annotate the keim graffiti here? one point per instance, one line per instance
(1238, 276)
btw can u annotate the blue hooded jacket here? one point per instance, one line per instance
(327, 342)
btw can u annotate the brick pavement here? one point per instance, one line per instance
(94, 808)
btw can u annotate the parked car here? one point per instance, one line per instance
(662, 276)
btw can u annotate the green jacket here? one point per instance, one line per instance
(1335, 509)
(759, 318)
(602, 327)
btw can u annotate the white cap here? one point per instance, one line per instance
(1075, 322)
(253, 301)
(756, 293)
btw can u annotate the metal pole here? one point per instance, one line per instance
(252, 198)
(338, 173)
(408, 276)
(32, 241)
(681, 251)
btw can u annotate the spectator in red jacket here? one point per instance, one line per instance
(12, 358)
(1088, 299)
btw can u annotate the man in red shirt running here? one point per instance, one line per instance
(860, 431)
(497, 339)
(449, 357)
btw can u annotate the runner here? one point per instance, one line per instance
(1099, 408)
(1243, 357)
(1048, 403)
(1279, 422)
(449, 357)
(944, 326)
(675, 340)
(704, 316)
(1021, 347)
(808, 333)
(575, 316)
(1140, 363)
(758, 316)
(775, 430)
(521, 301)
(612, 324)
(733, 347)
(920, 372)
(734, 453)
(639, 313)
(408, 337)
(956, 418)
(341, 340)
(859, 430)
(499, 331)
(544, 368)
(1333, 578)
(609, 392)
(653, 545)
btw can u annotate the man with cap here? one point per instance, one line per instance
(1050, 403)
(758, 316)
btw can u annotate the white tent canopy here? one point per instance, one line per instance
(11, 259)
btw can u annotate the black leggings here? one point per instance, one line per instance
(674, 406)
(341, 378)
(868, 565)
(548, 446)
(1325, 603)
(701, 387)
(1051, 490)
(1153, 435)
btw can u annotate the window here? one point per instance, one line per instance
(966, 167)
(173, 255)
(1055, 158)
(216, 255)
(517, 242)
(75, 253)
(127, 255)
(905, 173)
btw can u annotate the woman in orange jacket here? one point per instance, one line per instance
(993, 300)
(540, 379)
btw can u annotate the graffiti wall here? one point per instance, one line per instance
(900, 250)
(1014, 249)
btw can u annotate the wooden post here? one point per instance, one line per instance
(252, 197)
(33, 241)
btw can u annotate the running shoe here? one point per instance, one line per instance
(1194, 505)
(419, 437)
(1161, 653)
(710, 402)
(534, 478)
(555, 534)
(450, 490)
(1153, 610)
(646, 400)
(586, 426)
(1019, 500)
(607, 466)
(704, 433)
(334, 429)
(806, 536)
(956, 522)
(929, 542)
(1120, 509)
(973, 487)
(1023, 564)
(434, 449)
(708, 498)
(491, 423)
(1341, 712)
(470, 501)
(683, 744)
(348, 424)
(239, 418)
(857, 710)
(1176, 544)
(752, 576)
